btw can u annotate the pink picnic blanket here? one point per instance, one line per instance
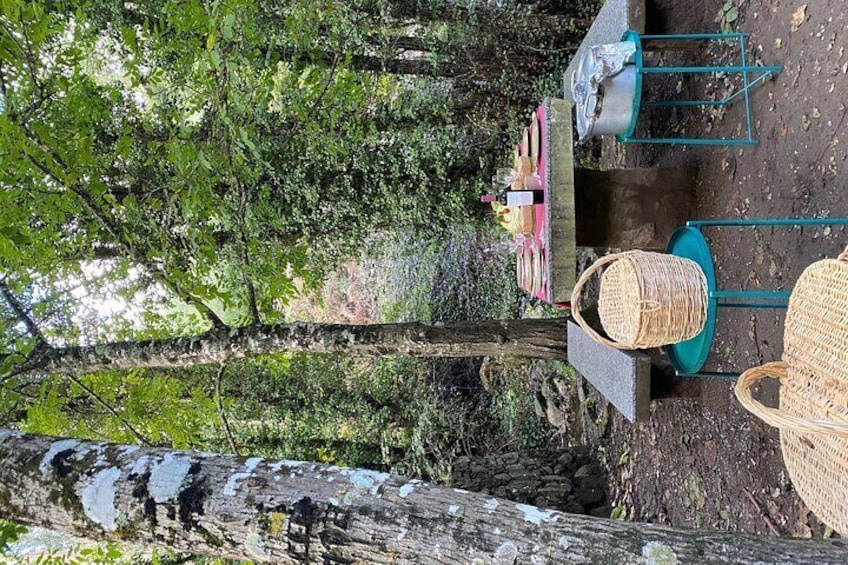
(531, 260)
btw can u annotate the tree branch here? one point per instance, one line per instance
(30, 57)
(3, 84)
(22, 314)
(335, 515)
(533, 338)
(245, 257)
(110, 409)
(219, 401)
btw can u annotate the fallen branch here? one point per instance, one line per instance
(762, 513)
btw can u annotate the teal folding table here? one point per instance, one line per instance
(750, 76)
(688, 357)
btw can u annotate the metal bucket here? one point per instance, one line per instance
(616, 98)
(603, 88)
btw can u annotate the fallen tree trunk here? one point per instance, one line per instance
(295, 512)
(539, 338)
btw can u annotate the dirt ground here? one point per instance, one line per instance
(703, 461)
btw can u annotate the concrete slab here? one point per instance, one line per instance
(623, 377)
(638, 208)
(614, 18)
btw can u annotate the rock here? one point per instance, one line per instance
(573, 507)
(601, 511)
(516, 470)
(525, 485)
(584, 471)
(555, 416)
(562, 388)
(540, 405)
(590, 495)
(511, 457)
(539, 476)
(557, 492)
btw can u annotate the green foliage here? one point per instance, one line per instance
(399, 414)
(172, 411)
(619, 512)
(728, 17)
(325, 408)
(229, 148)
(108, 554)
(10, 532)
(467, 273)
(179, 156)
(220, 151)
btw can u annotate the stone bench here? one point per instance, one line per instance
(622, 377)
(629, 380)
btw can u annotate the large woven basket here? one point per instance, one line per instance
(646, 299)
(813, 413)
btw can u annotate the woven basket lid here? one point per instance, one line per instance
(620, 290)
(816, 354)
(652, 299)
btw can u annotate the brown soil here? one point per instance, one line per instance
(703, 461)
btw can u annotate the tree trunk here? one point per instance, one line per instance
(359, 62)
(543, 339)
(290, 512)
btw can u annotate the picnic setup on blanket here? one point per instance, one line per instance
(671, 299)
(535, 203)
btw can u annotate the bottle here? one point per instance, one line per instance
(501, 196)
(515, 198)
(524, 197)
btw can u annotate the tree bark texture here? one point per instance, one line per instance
(359, 62)
(544, 339)
(296, 512)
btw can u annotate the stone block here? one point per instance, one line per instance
(622, 377)
(636, 208)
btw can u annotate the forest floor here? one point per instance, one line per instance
(703, 461)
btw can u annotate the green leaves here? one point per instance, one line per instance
(172, 411)
(10, 240)
(8, 362)
(227, 26)
(728, 16)
(10, 532)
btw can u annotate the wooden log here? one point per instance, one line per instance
(296, 512)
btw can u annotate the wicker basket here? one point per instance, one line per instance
(646, 299)
(813, 413)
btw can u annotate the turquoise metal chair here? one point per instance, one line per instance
(688, 357)
(751, 75)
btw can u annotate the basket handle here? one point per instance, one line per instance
(779, 418)
(843, 256)
(575, 300)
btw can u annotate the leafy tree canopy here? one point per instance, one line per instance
(218, 149)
